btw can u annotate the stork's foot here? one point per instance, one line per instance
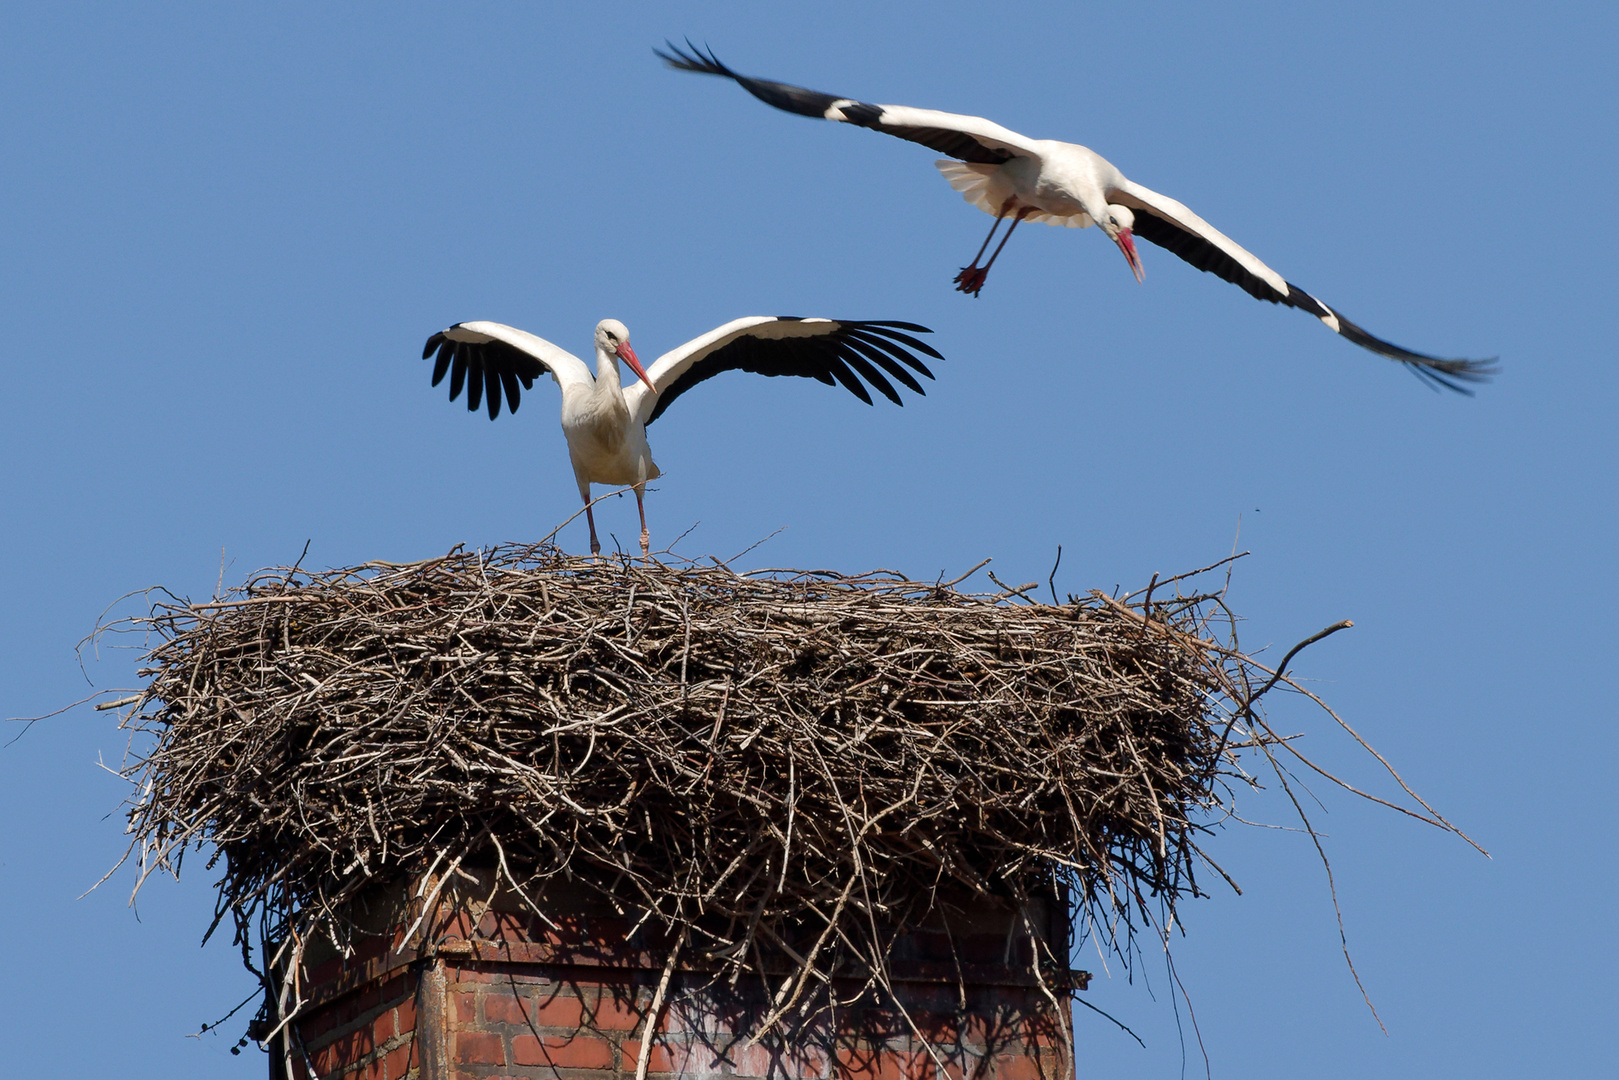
(971, 279)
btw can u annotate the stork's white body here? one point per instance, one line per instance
(1054, 181)
(605, 443)
(1063, 183)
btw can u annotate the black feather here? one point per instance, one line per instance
(474, 382)
(915, 328)
(491, 383)
(841, 373)
(906, 339)
(508, 379)
(442, 364)
(892, 349)
(458, 372)
(886, 362)
(432, 343)
(855, 360)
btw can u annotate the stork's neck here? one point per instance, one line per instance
(609, 392)
(607, 381)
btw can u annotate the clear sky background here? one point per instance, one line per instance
(224, 235)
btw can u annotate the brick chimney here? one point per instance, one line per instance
(484, 988)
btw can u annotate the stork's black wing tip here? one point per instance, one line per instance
(692, 58)
(915, 328)
(432, 343)
(1452, 374)
(1437, 371)
(894, 330)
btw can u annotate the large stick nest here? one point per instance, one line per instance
(751, 760)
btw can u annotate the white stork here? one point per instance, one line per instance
(1058, 183)
(605, 424)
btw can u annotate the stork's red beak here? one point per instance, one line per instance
(1128, 246)
(627, 354)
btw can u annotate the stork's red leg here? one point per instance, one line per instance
(983, 273)
(595, 545)
(646, 539)
(971, 278)
(1006, 208)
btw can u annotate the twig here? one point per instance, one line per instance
(654, 1012)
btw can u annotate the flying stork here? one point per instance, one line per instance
(1008, 175)
(605, 424)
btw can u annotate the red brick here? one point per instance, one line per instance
(398, 1061)
(612, 1013)
(355, 1045)
(579, 1052)
(476, 1048)
(316, 1024)
(405, 1016)
(398, 987)
(662, 1059)
(504, 1007)
(558, 1010)
(326, 972)
(939, 1027)
(466, 1007)
(329, 1058)
(367, 999)
(909, 1066)
(858, 1063)
(753, 1061)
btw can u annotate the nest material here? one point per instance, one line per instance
(773, 763)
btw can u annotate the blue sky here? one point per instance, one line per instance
(226, 233)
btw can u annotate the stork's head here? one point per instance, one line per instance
(613, 339)
(1118, 223)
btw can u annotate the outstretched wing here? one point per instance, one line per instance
(1172, 226)
(490, 357)
(968, 138)
(826, 350)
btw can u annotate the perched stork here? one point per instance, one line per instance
(605, 424)
(1008, 175)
